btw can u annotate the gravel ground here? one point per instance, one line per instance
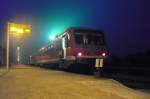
(25, 82)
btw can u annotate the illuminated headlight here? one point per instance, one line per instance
(79, 54)
(103, 54)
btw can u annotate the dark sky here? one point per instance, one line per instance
(125, 22)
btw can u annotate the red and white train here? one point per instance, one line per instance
(74, 46)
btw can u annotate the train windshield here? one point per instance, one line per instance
(89, 39)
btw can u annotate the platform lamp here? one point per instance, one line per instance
(15, 29)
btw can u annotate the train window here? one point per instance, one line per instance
(88, 39)
(57, 45)
(52, 46)
(66, 41)
(95, 40)
(49, 47)
(79, 38)
(85, 39)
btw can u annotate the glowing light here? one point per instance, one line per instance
(52, 37)
(20, 31)
(79, 54)
(103, 54)
(19, 28)
(43, 48)
(13, 29)
(27, 30)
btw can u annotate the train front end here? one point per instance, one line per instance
(88, 47)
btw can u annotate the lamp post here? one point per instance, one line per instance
(7, 52)
(15, 29)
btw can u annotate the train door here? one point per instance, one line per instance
(63, 54)
(64, 47)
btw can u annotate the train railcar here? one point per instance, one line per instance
(74, 46)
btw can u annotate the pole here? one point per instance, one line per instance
(7, 52)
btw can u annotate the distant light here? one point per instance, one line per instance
(52, 37)
(13, 29)
(79, 54)
(18, 47)
(20, 31)
(16, 30)
(43, 48)
(27, 30)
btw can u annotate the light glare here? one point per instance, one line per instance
(52, 37)
(104, 54)
(13, 29)
(27, 30)
(20, 31)
(79, 54)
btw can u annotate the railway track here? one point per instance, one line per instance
(132, 76)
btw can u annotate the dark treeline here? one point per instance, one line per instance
(2, 53)
(141, 58)
(136, 59)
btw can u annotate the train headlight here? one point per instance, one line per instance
(103, 54)
(79, 54)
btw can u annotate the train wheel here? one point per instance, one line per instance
(61, 63)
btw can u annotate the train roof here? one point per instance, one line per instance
(80, 29)
(83, 29)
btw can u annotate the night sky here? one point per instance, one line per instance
(126, 22)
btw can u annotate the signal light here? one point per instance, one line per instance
(79, 54)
